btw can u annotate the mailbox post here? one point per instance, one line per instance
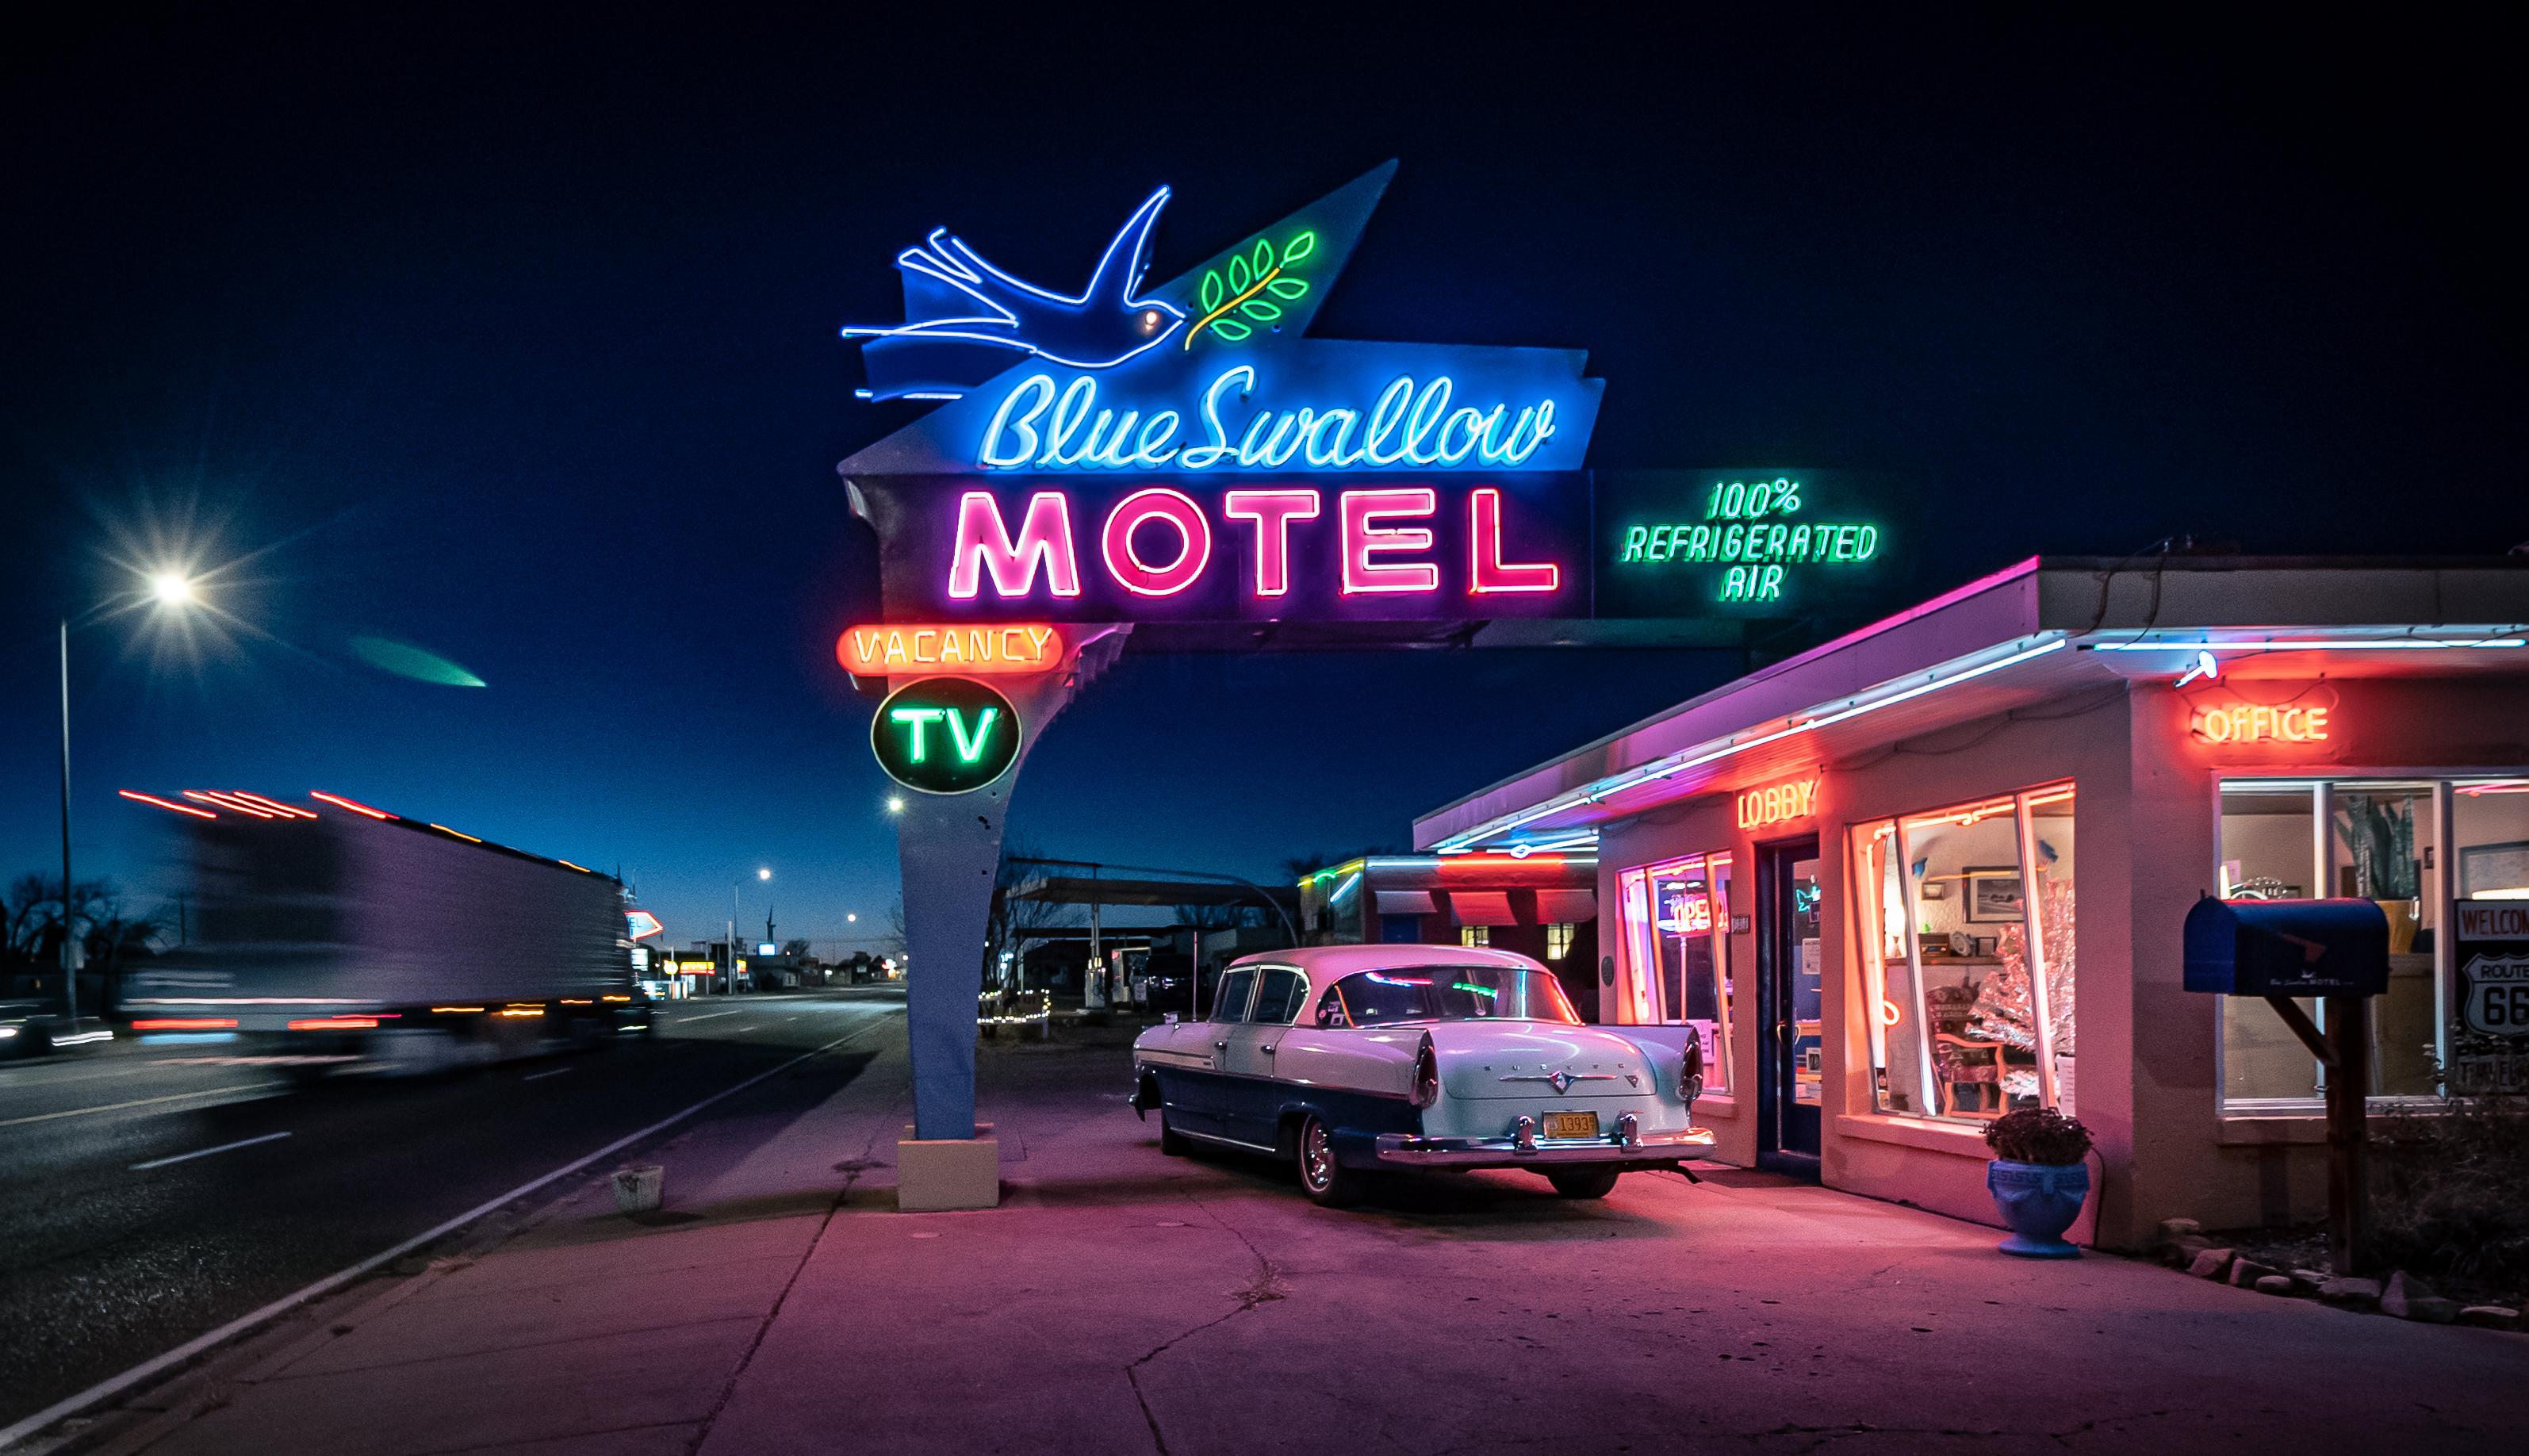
(2334, 950)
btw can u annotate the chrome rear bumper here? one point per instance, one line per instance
(1412, 1150)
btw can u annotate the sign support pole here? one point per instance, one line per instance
(948, 848)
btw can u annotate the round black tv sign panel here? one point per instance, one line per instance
(945, 736)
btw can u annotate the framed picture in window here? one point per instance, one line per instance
(1993, 893)
(2488, 868)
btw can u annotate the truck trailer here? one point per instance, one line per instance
(350, 936)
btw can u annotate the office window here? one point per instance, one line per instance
(1676, 969)
(1964, 928)
(1475, 935)
(1558, 939)
(2412, 847)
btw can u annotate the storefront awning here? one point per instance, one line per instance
(1405, 903)
(1481, 907)
(1567, 906)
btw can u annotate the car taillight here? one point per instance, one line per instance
(1689, 1071)
(1427, 1074)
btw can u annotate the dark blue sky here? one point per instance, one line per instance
(514, 338)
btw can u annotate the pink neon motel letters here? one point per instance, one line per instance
(1159, 542)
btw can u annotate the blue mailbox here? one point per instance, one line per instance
(2287, 948)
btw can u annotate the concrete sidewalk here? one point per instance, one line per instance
(1125, 1302)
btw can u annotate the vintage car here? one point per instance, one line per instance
(1351, 1059)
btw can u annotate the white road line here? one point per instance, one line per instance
(107, 1390)
(540, 1076)
(689, 1020)
(143, 1167)
(140, 1101)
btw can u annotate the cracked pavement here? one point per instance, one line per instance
(1120, 1301)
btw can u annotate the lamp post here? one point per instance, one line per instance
(173, 589)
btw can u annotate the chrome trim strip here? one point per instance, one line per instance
(1418, 1151)
(1225, 1141)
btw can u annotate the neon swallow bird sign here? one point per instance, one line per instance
(956, 304)
(1070, 463)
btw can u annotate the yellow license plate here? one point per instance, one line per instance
(1570, 1124)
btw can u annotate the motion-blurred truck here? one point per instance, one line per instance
(352, 935)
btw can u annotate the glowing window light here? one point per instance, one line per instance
(455, 1010)
(522, 1011)
(1359, 511)
(1271, 511)
(1193, 542)
(1487, 572)
(185, 1023)
(339, 802)
(984, 545)
(151, 799)
(335, 1023)
(199, 796)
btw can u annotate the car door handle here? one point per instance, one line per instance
(1220, 1046)
(1266, 1048)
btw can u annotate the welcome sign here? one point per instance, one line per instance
(1185, 451)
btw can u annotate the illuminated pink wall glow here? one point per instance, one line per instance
(984, 544)
(1487, 572)
(1360, 538)
(1158, 504)
(1273, 512)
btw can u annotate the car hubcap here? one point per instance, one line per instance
(1319, 1162)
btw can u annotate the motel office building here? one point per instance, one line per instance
(1937, 869)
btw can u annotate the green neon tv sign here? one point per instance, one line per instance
(945, 735)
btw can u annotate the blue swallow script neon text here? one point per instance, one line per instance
(1044, 427)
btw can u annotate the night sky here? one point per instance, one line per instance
(513, 339)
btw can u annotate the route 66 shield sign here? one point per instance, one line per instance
(2494, 994)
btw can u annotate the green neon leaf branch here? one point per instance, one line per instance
(1234, 300)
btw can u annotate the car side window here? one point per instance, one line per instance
(1330, 1009)
(1232, 1003)
(1278, 997)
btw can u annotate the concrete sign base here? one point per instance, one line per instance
(937, 1175)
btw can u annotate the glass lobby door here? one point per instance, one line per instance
(1790, 971)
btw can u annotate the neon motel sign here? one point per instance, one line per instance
(1185, 451)
(968, 648)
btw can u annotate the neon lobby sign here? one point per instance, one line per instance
(1067, 461)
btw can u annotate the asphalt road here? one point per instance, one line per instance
(158, 1189)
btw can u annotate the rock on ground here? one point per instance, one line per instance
(2211, 1263)
(2275, 1284)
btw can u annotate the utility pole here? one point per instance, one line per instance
(70, 941)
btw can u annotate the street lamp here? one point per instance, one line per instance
(895, 803)
(174, 590)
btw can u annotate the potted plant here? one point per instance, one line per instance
(2038, 1178)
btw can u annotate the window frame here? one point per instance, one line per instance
(2444, 784)
(1641, 999)
(1866, 931)
(1220, 997)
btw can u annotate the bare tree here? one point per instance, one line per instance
(1014, 919)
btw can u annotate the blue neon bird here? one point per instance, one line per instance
(966, 320)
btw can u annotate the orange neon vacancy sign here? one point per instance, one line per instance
(1776, 803)
(970, 650)
(2256, 722)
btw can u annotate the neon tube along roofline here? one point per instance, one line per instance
(2328, 644)
(1599, 792)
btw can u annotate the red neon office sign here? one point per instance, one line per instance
(2258, 723)
(1124, 550)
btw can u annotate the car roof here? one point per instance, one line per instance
(1325, 963)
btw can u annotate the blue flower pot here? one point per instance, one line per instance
(2037, 1202)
